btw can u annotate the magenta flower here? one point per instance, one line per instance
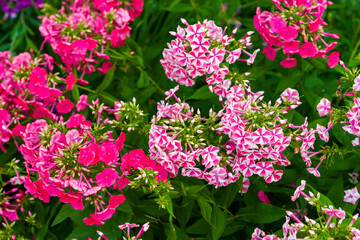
(263, 197)
(288, 62)
(109, 153)
(107, 177)
(308, 49)
(65, 106)
(288, 33)
(351, 195)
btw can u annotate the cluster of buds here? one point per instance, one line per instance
(128, 116)
(81, 30)
(203, 49)
(295, 28)
(330, 225)
(78, 160)
(28, 91)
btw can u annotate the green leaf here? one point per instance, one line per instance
(169, 206)
(107, 79)
(170, 231)
(205, 209)
(336, 188)
(143, 80)
(218, 221)
(194, 189)
(341, 135)
(202, 93)
(199, 227)
(184, 212)
(65, 212)
(75, 93)
(261, 213)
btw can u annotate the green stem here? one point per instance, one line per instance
(94, 92)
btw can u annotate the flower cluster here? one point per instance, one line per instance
(257, 136)
(330, 225)
(297, 27)
(78, 160)
(204, 49)
(81, 30)
(28, 91)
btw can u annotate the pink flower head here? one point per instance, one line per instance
(324, 107)
(277, 24)
(75, 120)
(82, 103)
(116, 200)
(351, 195)
(263, 197)
(106, 66)
(290, 95)
(109, 153)
(288, 62)
(89, 155)
(210, 156)
(120, 141)
(298, 190)
(72, 136)
(356, 85)
(70, 81)
(269, 52)
(308, 49)
(323, 132)
(107, 177)
(65, 106)
(334, 59)
(288, 33)
(38, 76)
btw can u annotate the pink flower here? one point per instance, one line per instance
(116, 200)
(75, 120)
(288, 33)
(356, 85)
(334, 59)
(269, 52)
(277, 24)
(107, 177)
(72, 136)
(109, 153)
(291, 47)
(70, 81)
(82, 103)
(120, 141)
(351, 195)
(323, 132)
(288, 62)
(65, 106)
(298, 190)
(210, 156)
(324, 107)
(263, 197)
(106, 66)
(308, 49)
(89, 155)
(38, 76)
